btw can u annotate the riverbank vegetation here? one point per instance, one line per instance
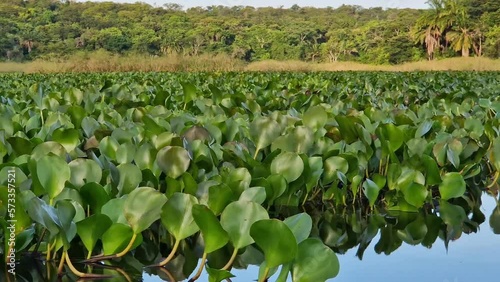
(48, 30)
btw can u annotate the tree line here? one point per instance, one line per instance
(31, 29)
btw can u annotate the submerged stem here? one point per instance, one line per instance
(49, 248)
(231, 260)
(71, 266)
(200, 269)
(129, 246)
(495, 179)
(61, 264)
(266, 273)
(171, 255)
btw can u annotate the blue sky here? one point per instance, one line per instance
(287, 3)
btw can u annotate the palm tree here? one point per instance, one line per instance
(462, 40)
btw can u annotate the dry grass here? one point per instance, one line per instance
(105, 62)
(453, 64)
(12, 67)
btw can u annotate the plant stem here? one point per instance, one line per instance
(231, 260)
(171, 255)
(200, 269)
(495, 179)
(49, 248)
(71, 267)
(129, 246)
(61, 264)
(256, 153)
(266, 273)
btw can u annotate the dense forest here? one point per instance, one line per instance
(31, 29)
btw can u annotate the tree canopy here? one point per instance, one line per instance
(31, 29)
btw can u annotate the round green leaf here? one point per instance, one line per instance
(288, 164)
(495, 220)
(300, 225)
(130, 178)
(263, 131)
(92, 228)
(238, 217)
(84, 171)
(214, 235)
(173, 160)
(52, 173)
(415, 194)
(117, 237)
(315, 117)
(371, 191)
(331, 166)
(254, 194)
(68, 138)
(94, 196)
(142, 207)
(276, 240)
(314, 262)
(177, 217)
(453, 186)
(108, 147)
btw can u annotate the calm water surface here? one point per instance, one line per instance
(472, 257)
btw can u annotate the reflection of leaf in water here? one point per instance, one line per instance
(495, 220)
(453, 216)
(389, 241)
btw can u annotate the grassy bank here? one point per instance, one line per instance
(453, 64)
(105, 62)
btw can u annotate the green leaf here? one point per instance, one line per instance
(423, 128)
(254, 194)
(217, 275)
(415, 194)
(453, 152)
(173, 160)
(189, 92)
(263, 131)
(432, 176)
(68, 138)
(495, 220)
(177, 217)
(331, 166)
(52, 173)
(276, 240)
(494, 153)
(108, 147)
(142, 207)
(44, 214)
(288, 164)
(371, 191)
(92, 228)
(300, 225)
(117, 237)
(238, 217)
(453, 186)
(114, 210)
(214, 236)
(84, 171)
(219, 196)
(46, 148)
(314, 262)
(315, 117)
(130, 178)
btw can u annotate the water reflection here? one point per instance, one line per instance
(449, 241)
